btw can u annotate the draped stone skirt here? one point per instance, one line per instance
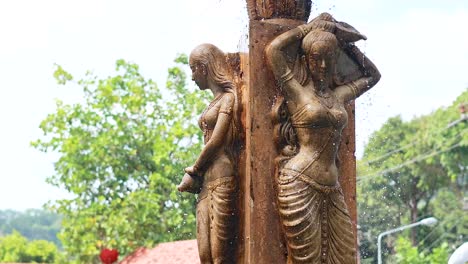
(216, 221)
(315, 220)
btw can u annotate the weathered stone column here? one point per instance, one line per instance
(347, 167)
(261, 238)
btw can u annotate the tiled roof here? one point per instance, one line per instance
(177, 252)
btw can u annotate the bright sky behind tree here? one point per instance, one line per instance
(420, 47)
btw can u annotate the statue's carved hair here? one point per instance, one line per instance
(284, 134)
(215, 62)
(316, 36)
(219, 70)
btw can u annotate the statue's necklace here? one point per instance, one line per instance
(325, 99)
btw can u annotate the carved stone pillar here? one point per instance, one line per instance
(262, 239)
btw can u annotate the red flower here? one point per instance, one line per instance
(109, 256)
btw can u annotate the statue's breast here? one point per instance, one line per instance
(338, 116)
(208, 118)
(318, 116)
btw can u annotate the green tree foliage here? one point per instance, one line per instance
(408, 254)
(12, 247)
(34, 224)
(411, 170)
(40, 251)
(122, 153)
(453, 227)
(16, 248)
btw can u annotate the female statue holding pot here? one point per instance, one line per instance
(213, 173)
(313, 213)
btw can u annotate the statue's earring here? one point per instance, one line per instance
(203, 69)
(304, 62)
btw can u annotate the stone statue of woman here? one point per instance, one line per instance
(213, 174)
(313, 213)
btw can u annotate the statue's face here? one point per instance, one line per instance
(199, 75)
(321, 61)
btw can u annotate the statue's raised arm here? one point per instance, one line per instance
(329, 71)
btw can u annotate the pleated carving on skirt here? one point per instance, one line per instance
(216, 222)
(316, 222)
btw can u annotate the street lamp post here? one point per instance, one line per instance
(427, 222)
(460, 255)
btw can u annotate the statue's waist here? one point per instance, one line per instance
(210, 186)
(287, 176)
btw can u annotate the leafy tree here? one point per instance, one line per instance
(408, 254)
(40, 251)
(455, 134)
(395, 197)
(16, 248)
(34, 224)
(439, 254)
(405, 173)
(12, 247)
(122, 153)
(453, 227)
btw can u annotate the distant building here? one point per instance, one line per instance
(177, 252)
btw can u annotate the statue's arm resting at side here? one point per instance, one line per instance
(354, 89)
(216, 141)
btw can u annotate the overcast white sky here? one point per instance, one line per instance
(421, 49)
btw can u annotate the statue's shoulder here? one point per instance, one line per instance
(228, 99)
